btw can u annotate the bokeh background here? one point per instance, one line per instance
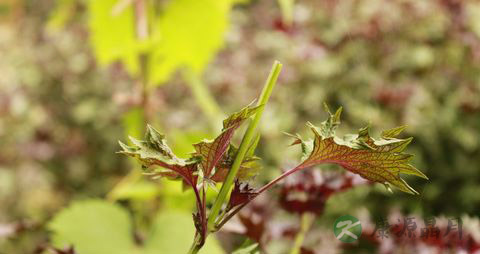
(76, 76)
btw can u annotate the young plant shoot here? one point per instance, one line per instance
(219, 161)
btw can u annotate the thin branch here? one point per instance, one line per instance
(258, 192)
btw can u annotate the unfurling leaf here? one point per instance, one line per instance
(154, 151)
(214, 158)
(241, 194)
(248, 169)
(379, 160)
(213, 152)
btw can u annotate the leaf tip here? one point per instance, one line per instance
(122, 144)
(297, 137)
(338, 113)
(394, 132)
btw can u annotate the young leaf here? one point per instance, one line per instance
(248, 169)
(211, 152)
(241, 193)
(309, 190)
(379, 160)
(154, 151)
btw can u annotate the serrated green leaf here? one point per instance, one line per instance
(154, 152)
(392, 133)
(381, 160)
(210, 154)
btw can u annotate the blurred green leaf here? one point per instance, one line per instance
(112, 35)
(93, 227)
(139, 190)
(173, 231)
(188, 34)
(134, 122)
(99, 227)
(174, 196)
(182, 141)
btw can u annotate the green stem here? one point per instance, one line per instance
(307, 220)
(203, 97)
(195, 248)
(244, 146)
(259, 191)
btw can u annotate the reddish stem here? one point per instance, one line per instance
(279, 178)
(260, 191)
(201, 206)
(204, 215)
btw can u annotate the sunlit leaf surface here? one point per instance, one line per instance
(378, 160)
